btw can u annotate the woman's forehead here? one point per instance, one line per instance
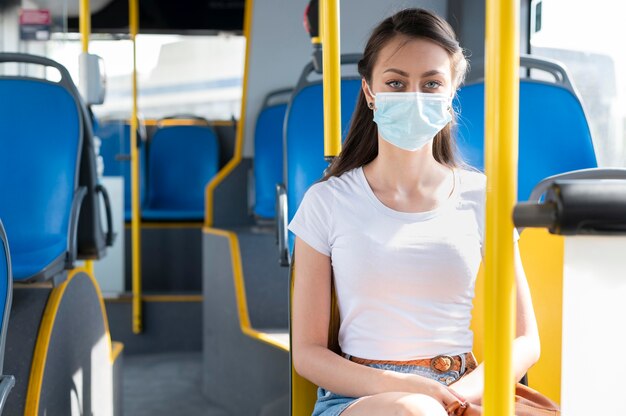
(414, 56)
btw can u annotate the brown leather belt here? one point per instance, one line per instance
(440, 363)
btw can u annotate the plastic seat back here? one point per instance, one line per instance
(182, 160)
(554, 135)
(304, 135)
(115, 151)
(40, 145)
(268, 153)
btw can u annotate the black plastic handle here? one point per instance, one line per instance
(110, 236)
(578, 206)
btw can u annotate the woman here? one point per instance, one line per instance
(400, 226)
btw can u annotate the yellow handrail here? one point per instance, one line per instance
(85, 24)
(134, 163)
(331, 56)
(85, 31)
(501, 143)
(237, 156)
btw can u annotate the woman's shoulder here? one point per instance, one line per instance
(472, 178)
(473, 183)
(344, 182)
(325, 192)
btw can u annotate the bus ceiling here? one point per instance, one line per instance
(203, 17)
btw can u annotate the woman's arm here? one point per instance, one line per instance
(526, 346)
(314, 361)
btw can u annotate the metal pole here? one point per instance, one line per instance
(84, 17)
(331, 56)
(501, 148)
(134, 156)
(85, 24)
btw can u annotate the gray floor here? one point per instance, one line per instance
(165, 384)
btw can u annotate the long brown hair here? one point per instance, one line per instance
(361, 144)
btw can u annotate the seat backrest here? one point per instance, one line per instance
(554, 135)
(115, 151)
(6, 290)
(40, 142)
(268, 152)
(182, 160)
(304, 136)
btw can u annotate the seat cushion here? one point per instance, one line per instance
(30, 259)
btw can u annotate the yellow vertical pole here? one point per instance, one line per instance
(247, 34)
(134, 161)
(501, 144)
(241, 124)
(84, 15)
(84, 24)
(331, 56)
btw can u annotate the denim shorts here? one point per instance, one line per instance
(331, 404)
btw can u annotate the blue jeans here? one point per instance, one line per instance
(331, 404)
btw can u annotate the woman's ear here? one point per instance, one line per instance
(368, 93)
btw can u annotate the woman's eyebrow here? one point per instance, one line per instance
(397, 71)
(406, 74)
(432, 72)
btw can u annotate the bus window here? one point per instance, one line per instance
(199, 75)
(589, 41)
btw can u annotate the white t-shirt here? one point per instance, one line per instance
(404, 281)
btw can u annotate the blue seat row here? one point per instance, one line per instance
(176, 166)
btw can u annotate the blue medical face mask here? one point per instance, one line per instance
(409, 120)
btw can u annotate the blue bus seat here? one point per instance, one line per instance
(6, 291)
(115, 151)
(554, 135)
(40, 141)
(182, 160)
(268, 153)
(304, 135)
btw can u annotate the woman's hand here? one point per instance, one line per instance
(436, 390)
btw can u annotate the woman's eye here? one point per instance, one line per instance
(432, 84)
(395, 84)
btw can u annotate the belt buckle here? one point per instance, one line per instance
(443, 360)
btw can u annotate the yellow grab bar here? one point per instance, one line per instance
(331, 56)
(85, 24)
(85, 31)
(501, 144)
(134, 175)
